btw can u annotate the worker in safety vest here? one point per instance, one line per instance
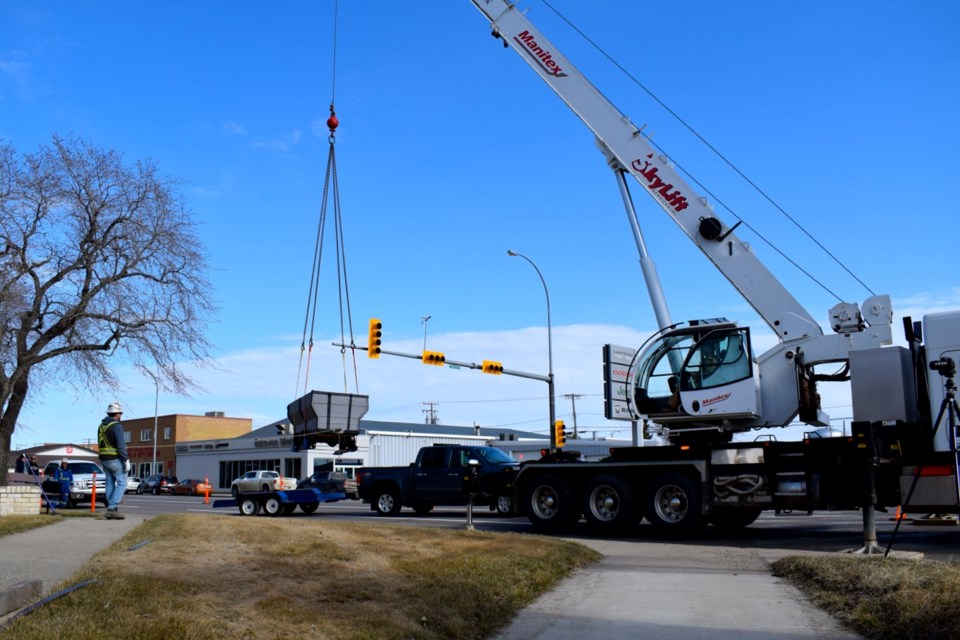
(113, 457)
(64, 476)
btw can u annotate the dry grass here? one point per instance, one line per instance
(881, 599)
(206, 577)
(18, 524)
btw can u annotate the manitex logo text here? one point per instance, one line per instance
(542, 57)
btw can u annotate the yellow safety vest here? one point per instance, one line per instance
(106, 449)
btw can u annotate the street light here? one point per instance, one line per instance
(553, 410)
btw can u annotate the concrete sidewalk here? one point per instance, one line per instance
(53, 553)
(637, 590)
(659, 591)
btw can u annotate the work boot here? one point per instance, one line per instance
(113, 514)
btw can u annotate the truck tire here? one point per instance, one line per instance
(235, 492)
(249, 507)
(272, 506)
(673, 504)
(609, 504)
(265, 488)
(550, 504)
(422, 509)
(386, 502)
(504, 506)
(309, 507)
(733, 519)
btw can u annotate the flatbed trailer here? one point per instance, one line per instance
(279, 503)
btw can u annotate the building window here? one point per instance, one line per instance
(126, 437)
(146, 435)
(167, 433)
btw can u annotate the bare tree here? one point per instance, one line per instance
(98, 260)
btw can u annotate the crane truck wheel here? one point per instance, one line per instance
(386, 502)
(673, 504)
(733, 519)
(249, 507)
(309, 507)
(550, 504)
(609, 504)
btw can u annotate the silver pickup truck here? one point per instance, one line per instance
(81, 489)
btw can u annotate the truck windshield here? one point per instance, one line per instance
(85, 467)
(495, 456)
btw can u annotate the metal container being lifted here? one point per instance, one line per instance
(327, 417)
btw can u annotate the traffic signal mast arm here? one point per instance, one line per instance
(451, 363)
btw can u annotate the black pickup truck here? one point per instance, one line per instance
(441, 476)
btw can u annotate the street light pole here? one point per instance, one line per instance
(156, 411)
(550, 390)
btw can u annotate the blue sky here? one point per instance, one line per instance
(451, 151)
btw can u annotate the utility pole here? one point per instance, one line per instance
(573, 399)
(430, 413)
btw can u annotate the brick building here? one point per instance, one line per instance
(170, 430)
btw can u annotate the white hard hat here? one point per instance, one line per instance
(114, 408)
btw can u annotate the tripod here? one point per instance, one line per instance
(947, 369)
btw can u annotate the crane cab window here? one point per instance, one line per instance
(722, 357)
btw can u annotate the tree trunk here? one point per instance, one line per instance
(8, 421)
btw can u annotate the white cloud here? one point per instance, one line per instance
(234, 128)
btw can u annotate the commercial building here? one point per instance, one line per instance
(159, 438)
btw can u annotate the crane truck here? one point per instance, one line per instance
(703, 382)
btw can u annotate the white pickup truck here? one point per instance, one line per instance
(253, 481)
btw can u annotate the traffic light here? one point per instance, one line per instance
(559, 434)
(434, 357)
(489, 366)
(373, 340)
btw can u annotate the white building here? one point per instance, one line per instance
(378, 444)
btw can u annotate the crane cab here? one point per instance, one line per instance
(699, 372)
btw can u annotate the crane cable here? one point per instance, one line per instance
(730, 164)
(331, 182)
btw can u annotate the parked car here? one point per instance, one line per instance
(81, 489)
(190, 488)
(261, 480)
(325, 481)
(133, 484)
(158, 484)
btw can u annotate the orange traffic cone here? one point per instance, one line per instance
(899, 515)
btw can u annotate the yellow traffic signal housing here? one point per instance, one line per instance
(373, 339)
(489, 366)
(559, 434)
(434, 357)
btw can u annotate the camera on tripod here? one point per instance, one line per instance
(945, 367)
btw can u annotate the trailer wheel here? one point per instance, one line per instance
(504, 506)
(609, 504)
(387, 502)
(733, 519)
(249, 507)
(272, 506)
(673, 503)
(550, 504)
(309, 507)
